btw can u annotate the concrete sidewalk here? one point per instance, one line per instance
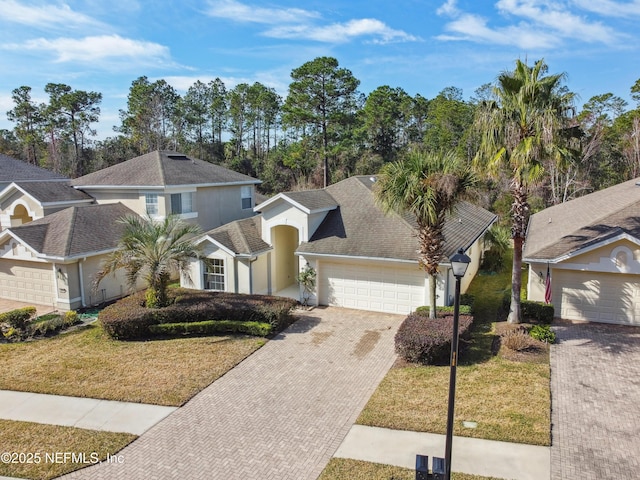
(89, 413)
(489, 458)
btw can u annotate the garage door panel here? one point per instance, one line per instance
(372, 287)
(598, 297)
(26, 282)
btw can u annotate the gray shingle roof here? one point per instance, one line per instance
(162, 168)
(241, 236)
(13, 170)
(313, 199)
(52, 192)
(358, 227)
(562, 229)
(75, 231)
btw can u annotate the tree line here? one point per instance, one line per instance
(324, 130)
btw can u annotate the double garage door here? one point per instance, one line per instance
(381, 288)
(26, 282)
(597, 297)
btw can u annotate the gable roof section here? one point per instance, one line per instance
(13, 170)
(568, 228)
(161, 169)
(359, 228)
(47, 192)
(309, 201)
(75, 231)
(241, 237)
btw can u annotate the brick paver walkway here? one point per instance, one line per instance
(595, 388)
(281, 414)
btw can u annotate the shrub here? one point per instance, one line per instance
(211, 327)
(424, 310)
(70, 318)
(129, 319)
(517, 340)
(18, 318)
(428, 340)
(46, 327)
(538, 311)
(467, 299)
(543, 333)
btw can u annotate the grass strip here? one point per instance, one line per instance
(45, 451)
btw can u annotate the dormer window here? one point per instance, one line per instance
(151, 201)
(247, 196)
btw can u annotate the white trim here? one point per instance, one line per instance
(299, 206)
(575, 253)
(354, 257)
(66, 202)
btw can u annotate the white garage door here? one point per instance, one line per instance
(378, 288)
(26, 282)
(598, 297)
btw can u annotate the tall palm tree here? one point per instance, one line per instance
(152, 250)
(428, 186)
(521, 128)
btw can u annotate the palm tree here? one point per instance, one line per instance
(152, 250)
(427, 186)
(521, 128)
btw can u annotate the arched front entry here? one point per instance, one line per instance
(285, 240)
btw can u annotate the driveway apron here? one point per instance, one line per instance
(280, 414)
(595, 388)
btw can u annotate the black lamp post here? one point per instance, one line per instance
(459, 263)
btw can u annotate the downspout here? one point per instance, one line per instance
(81, 273)
(251, 261)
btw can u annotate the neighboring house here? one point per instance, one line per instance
(53, 260)
(14, 170)
(363, 258)
(160, 183)
(22, 202)
(592, 248)
(53, 236)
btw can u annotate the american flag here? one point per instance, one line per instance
(547, 287)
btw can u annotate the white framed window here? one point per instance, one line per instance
(214, 275)
(246, 192)
(182, 202)
(151, 202)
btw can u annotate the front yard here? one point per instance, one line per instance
(508, 400)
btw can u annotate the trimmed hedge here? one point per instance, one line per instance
(539, 312)
(212, 327)
(130, 319)
(424, 310)
(18, 318)
(427, 341)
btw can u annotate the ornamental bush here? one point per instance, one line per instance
(18, 318)
(211, 327)
(448, 310)
(427, 341)
(543, 333)
(130, 319)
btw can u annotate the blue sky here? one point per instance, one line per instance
(420, 46)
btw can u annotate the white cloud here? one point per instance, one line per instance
(239, 12)
(95, 48)
(556, 17)
(529, 24)
(44, 16)
(609, 8)
(449, 8)
(343, 32)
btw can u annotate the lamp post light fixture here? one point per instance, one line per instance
(459, 263)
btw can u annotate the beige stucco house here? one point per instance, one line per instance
(55, 232)
(592, 248)
(363, 258)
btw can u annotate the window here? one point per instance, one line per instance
(214, 274)
(182, 202)
(247, 196)
(151, 200)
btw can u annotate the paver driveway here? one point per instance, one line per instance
(595, 389)
(281, 414)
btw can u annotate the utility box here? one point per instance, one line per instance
(422, 467)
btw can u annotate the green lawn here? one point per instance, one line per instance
(509, 401)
